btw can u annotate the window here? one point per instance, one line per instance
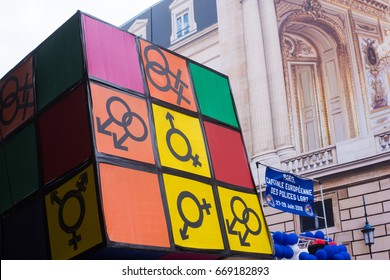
(182, 18)
(309, 224)
(182, 25)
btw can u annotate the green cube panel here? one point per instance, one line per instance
(21, 158)
(59, 62)
(214, 96)
(5, 195)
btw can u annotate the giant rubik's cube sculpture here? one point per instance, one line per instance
(112, 147)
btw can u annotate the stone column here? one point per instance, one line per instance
(233, 61)
(276, 85)
(260, 108)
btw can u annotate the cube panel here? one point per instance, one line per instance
(65, 140)
(73, 220)
(214, 96)
(135, 151)
(116, 115)
(5, 193)
(23, 232)
(133, 207)
(17, 97)
(59, 62)
(21, 158)
(112, 55)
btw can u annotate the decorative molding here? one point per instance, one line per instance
(369, 7)
(366, 27)
(139, 28)
(283, 8)
(298, 48)
(312, 8)
(374, 71)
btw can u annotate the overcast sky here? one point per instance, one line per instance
(24, 24)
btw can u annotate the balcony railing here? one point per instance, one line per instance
(310, 161)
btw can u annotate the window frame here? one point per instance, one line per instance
(179, 8)
(336, 213)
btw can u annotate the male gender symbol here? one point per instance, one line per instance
(81, 186)
(188, 155)
(242, 219)
(125, 122)
(187, 222)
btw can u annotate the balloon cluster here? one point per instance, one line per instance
(319, 248)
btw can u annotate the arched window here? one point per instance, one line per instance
(316, 88)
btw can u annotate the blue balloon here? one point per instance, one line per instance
(312, 258)
(334, 248)
(285, 238)
(283, 250)
(292, 239)
(309, 234)
(345, 255)
(289, 252)
(329, 251)
(278, 251)
(303, 256)
(321, 254)
(338, 257)
(342, 248)
(319, 234)
(278, 237)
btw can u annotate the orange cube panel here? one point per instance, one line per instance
(132, 206)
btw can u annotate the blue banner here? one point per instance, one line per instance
(289, 193)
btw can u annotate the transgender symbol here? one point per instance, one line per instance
(242, 219)
(164, 84)
(81, 186)
(123, 121)
(188, 155)
(187, 222)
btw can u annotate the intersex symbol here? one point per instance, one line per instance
(81, 186)
(243, 219)
(12, 102)
(187, 222)
(163, 81)
(125, 121)
(172, 131)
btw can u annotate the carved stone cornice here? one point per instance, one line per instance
(370, 7)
